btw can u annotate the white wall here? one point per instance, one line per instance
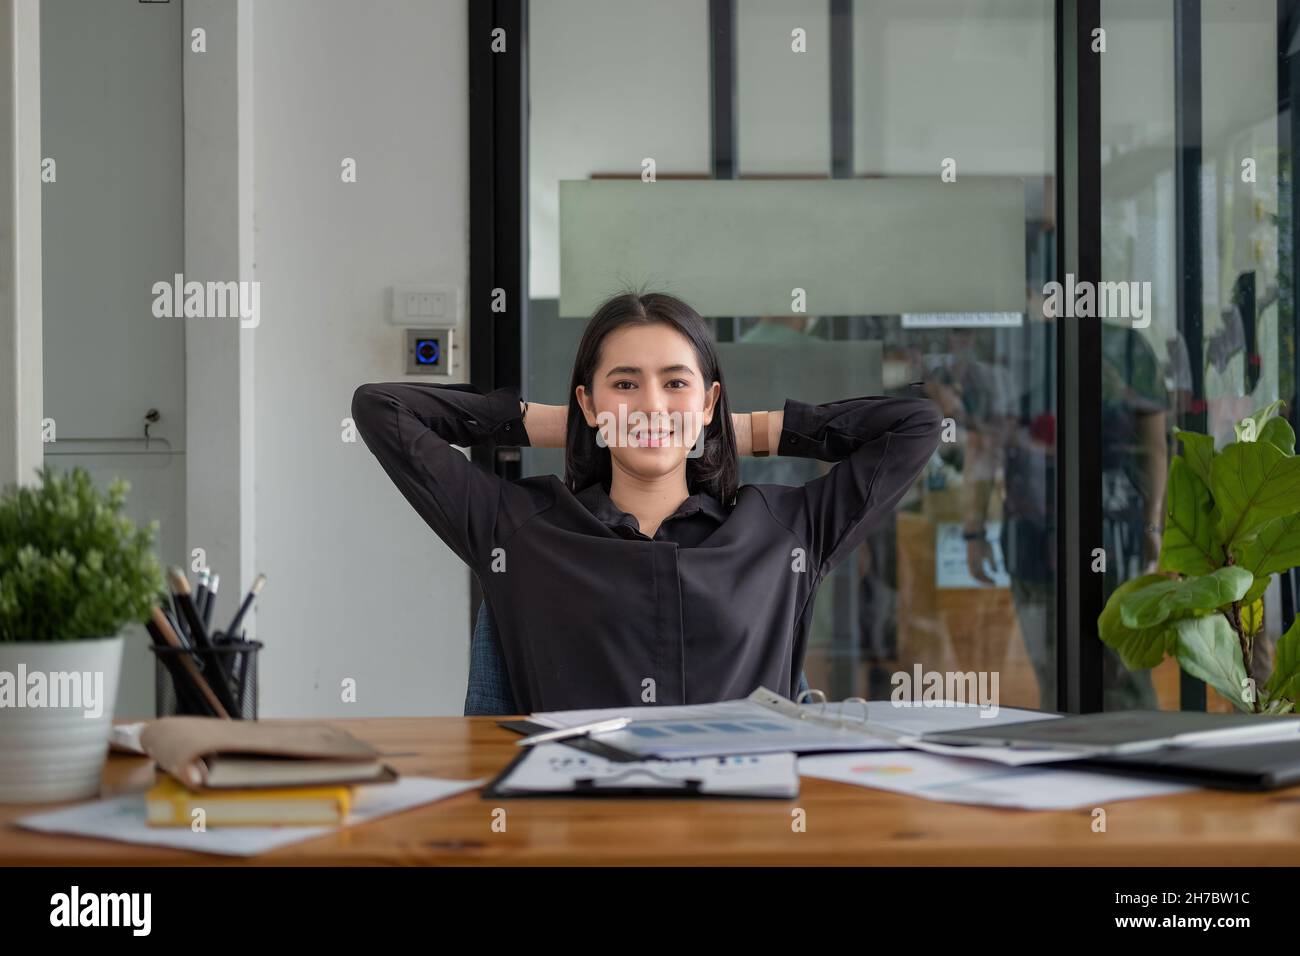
(358, 586)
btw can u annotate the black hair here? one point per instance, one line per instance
(717, 469)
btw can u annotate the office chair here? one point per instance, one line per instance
(489, 691)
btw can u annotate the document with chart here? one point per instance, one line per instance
(766, 722)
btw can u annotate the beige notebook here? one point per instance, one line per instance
(210, 752)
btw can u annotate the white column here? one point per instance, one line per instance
(219, 247)
(21, 451)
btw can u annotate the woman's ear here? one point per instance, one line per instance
(587, 405)
(711, 401)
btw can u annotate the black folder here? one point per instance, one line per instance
(1261, 766)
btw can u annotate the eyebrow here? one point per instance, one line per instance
(633, 370)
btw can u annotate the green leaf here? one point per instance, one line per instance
(1275, 547)
(1198, 452)
(1138, 648)
(1251, 483)
(1257, 421)
(1257, 589)
(1169, 598)
(1252, 617)
(1278, 431)
(1284, 682)
(1190, 544)
(1207, 648)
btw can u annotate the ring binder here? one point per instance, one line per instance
(866, 711)
(796, 709)
(808, 693)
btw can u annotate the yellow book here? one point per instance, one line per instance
(171, 804)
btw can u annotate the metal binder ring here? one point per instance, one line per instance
(809, 692)
(866, 711)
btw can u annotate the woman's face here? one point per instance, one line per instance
(648, 399)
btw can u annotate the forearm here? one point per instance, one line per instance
(741, 422)
(546, 425)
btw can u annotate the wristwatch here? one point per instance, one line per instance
(758, 434)
(979, 535)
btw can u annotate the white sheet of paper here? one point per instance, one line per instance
(959, 780)
(551, 768)
(126, 738)
(746, 727)
(123, 819)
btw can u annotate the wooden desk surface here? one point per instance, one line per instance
(845, 824)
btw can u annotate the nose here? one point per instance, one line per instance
(655, 399)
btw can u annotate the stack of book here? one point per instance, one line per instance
(245, 773)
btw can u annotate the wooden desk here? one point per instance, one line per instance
(845, 824)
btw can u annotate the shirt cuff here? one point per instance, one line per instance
(799, 426)
(507, 427)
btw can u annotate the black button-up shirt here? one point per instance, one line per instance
(591, 612)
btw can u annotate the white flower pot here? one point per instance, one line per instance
(50, 752)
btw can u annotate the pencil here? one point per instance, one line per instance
(187, 699)
(165, 629)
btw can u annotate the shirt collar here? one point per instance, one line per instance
(598, 502)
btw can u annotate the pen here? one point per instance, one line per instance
(210, 601)
(174, 610)
(189, 614)
(175, 622)
(201, 592)
(199, 636)
(581, 730)
(247, 603)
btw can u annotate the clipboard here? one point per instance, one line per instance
(667, 787)
(688, 788)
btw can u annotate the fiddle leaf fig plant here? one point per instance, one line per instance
(1232, 521)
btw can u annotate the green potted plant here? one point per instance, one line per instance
(74, 571)
(1232, 520)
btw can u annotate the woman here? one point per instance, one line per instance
(646, 576)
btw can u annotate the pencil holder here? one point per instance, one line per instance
(229, 671)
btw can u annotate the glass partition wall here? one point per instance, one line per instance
(1196, 175)
(903, 164)
(894, 161)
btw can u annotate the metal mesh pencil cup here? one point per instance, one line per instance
(175, 695)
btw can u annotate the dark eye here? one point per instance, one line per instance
(622, 382)
(680, 381)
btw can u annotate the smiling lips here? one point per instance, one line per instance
(658, 439)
